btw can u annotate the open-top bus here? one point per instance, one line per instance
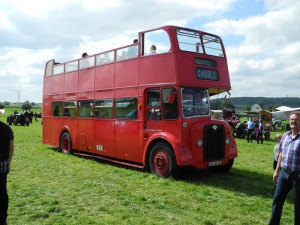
(142, 108)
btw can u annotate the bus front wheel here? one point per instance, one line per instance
(66, 143)
(162, 160)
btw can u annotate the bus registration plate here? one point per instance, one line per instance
(215, 163)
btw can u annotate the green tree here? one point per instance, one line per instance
(2, 105)
(227, 104)
(217, 104)
(247, 107)
(260, 103)
(26, 105)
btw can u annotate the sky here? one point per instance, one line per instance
(261, 38)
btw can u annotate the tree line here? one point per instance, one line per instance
(245, 103)
(25, 106)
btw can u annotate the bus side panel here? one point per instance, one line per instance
(126, 73)
(86, 80)
(47, 136)
(104, 137)
(57, 124)
(157, 69)
(47, 86)
(104, 77)
(104, 94)
(71, 82)
(86, 134)
(58, 84)
(127, 140)
(47, 120)
(173, 127)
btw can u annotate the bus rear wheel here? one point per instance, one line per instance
(162, 160)
(66, 143)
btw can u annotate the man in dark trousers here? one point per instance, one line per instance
(6, 154)
(287, 172)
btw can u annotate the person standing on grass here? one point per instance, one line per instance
(250, 128)
(260, 132)
(287, 172)
(276, 150)
(6, 154)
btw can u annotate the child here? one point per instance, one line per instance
(276, 149)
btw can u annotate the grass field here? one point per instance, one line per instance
(47, 187)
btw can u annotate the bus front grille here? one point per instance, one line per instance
(214, 142)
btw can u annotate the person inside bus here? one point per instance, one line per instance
(152, 49)
(67, 112)
(85, 109)
(56, 111)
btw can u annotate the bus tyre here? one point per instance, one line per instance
(66, 143)
(162, 160)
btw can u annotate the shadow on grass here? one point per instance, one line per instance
(241, 181)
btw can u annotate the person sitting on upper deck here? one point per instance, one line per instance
(153, 49)
(84, 63)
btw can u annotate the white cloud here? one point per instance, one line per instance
(268, 52)
(263, 50)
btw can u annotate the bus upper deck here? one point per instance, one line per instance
(183, 56)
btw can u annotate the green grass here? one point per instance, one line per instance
(47, 187)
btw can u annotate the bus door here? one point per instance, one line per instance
(162, 111)
(127, 130)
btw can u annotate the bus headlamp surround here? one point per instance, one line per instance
(199, 143)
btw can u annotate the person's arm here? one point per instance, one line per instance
(11, 151)
(278, 168)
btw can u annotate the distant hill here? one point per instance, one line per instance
(291, 102)
(241, 102)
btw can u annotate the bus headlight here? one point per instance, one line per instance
(227, 140)
(199, 143)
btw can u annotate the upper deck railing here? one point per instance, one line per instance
(187, 40)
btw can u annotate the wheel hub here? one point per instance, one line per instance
(161, 162)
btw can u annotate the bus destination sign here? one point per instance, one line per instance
(207, 74)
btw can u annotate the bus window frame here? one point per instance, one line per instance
(69, 113)
(85, 108)
(59, 108)
(109, 109)
(145, 43)
(132, 112)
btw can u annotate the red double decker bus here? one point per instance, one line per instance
(144, 105)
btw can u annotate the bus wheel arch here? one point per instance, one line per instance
(161, 159)
(65, 143)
